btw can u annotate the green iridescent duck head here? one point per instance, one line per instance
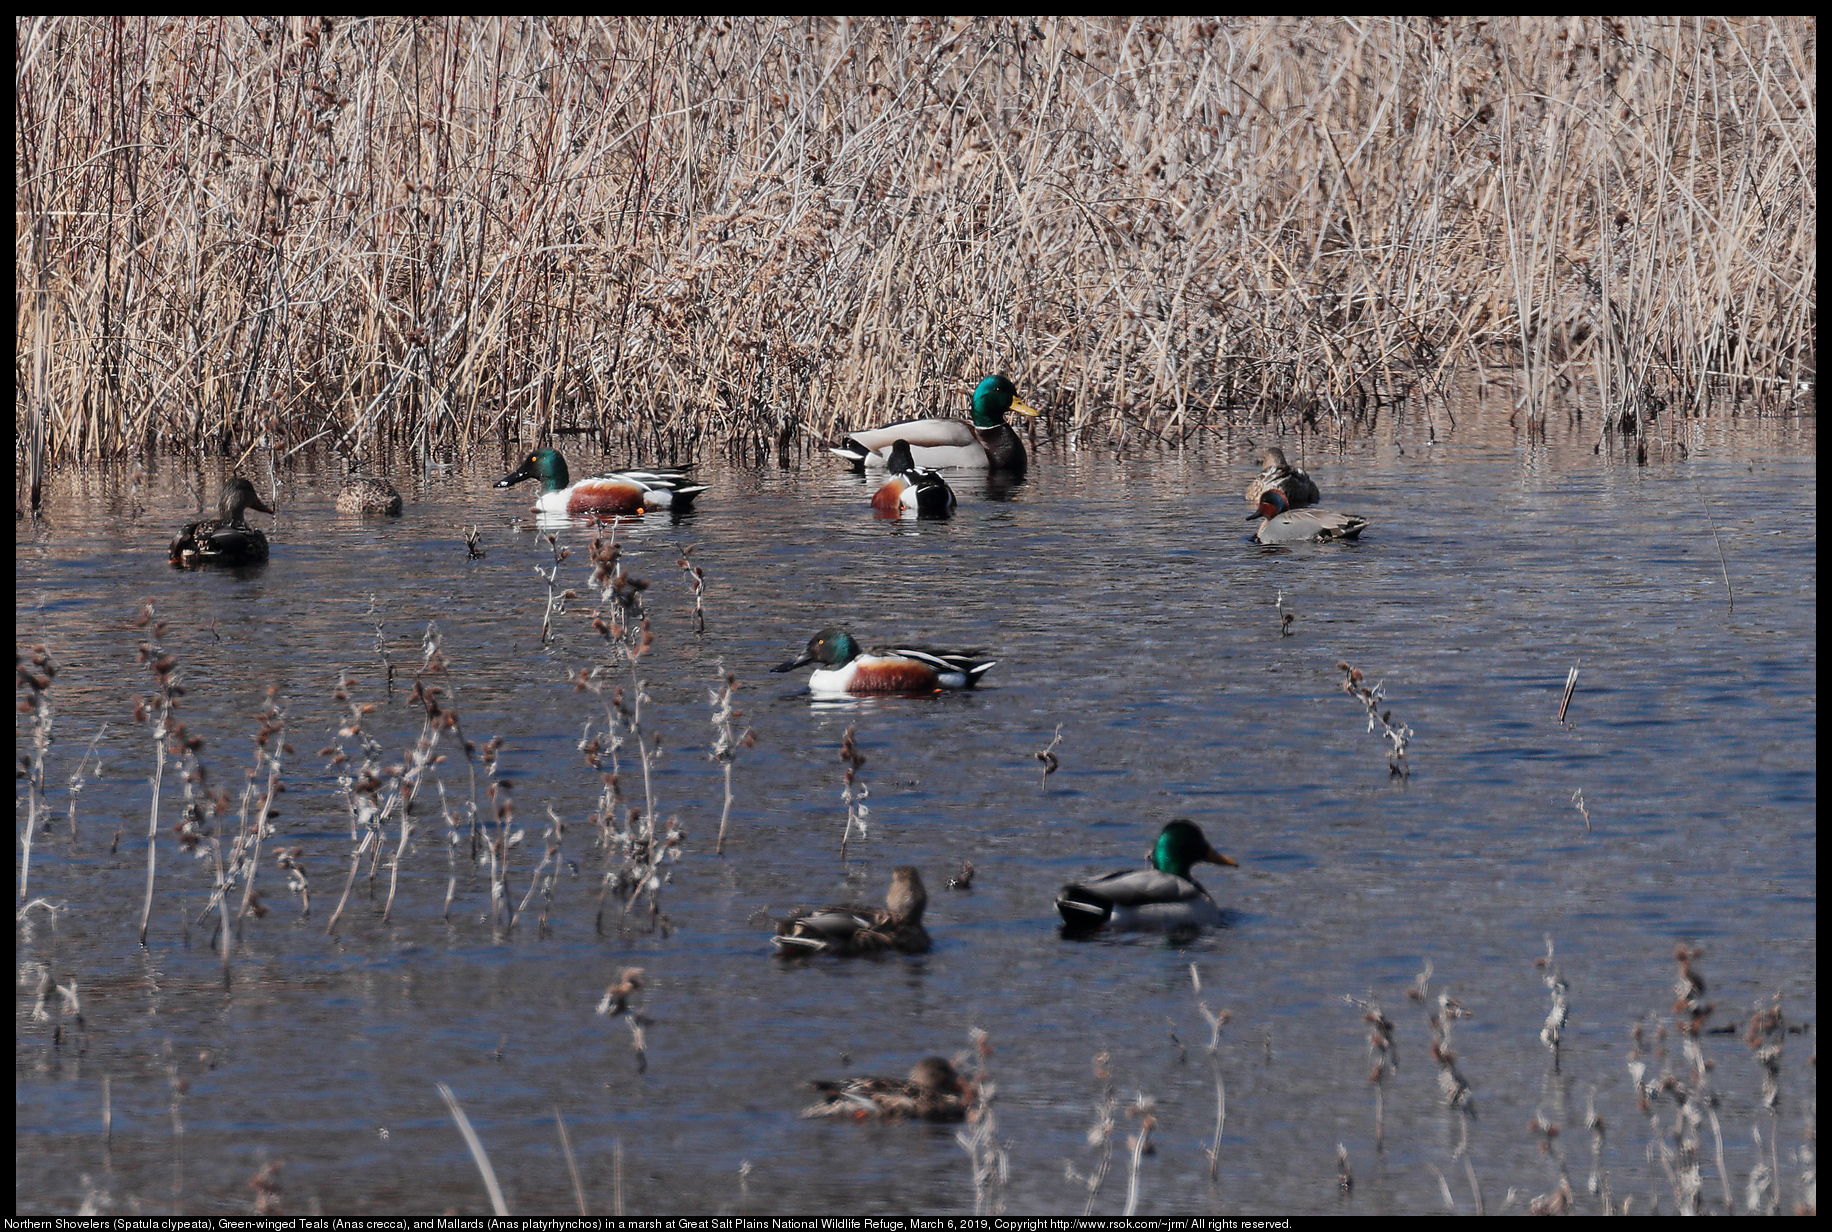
(994, 398)
(1180, 845)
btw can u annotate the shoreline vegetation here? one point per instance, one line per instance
(674, 236)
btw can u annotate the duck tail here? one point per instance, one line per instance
(852, 453)
(798, 945)
(975, 671)
(683, 497)
(1081, 910)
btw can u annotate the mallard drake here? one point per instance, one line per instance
(368, 494)
(911, 488)
(1282, 524)
(1280, 475)
(852, 930)
(986, 443)
(225, 539)
(617, 493)
(933, 1092)
(1163, 897)
(902, 669)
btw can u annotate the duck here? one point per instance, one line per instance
(932, 1092)
(852, 930)
(987, 443)
(1279, 475)
(368, 494)
(1282, 524)
(225, 539)
(619, 492)
(911, 488)
(903, 669)
(1162, 898)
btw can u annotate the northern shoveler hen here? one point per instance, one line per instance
(368, 494)
(1163, 897)
(987, 443)
(618, 492)
(1280, 475)
(225, 539)
(933, 1092)
(853, 930)
(902, 669)
(911, 488)
(1282, 524)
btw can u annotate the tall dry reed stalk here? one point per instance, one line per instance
(375, 233)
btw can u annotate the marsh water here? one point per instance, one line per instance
(1127, 611)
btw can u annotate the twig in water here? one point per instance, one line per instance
(962, 880)
(1370, 698)
(1286, 615)
(1382, 1059)
(991, 1164)
(1100, 1134)
(36, 682)
(381, 646)
(473, 544)
(696, 582)
(1571, 685)
(1722, 562)
(1142, 1108)
(572, 1166)
(1047, 756)
(1577, 802)
(1552, 1034)
(855, 792)
(556, 599)
(1216, 1020)
(477, 1152)
(725, 748)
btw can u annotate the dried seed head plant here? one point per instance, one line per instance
(1160, 221)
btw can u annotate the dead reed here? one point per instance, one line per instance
(990, 1160)
(855, 792)
(381, 233)
(1371, 698)
(725, 748)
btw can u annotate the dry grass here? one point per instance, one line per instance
(381, 233)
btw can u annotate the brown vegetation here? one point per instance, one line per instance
(382, 232)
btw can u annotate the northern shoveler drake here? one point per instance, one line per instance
(933, 1092)
(1282, 524)
(987, 443)
(911, 488)
(902, 669)
(1280, 475)
(617, 493)
(852, 930)
(225, 539)
(368, 494)
(1163, 897)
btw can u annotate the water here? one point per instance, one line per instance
(1125, 607)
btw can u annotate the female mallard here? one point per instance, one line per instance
(852, 930)
(1163, 897)
(911, 488)
(225, 539)
(368, 494)
(933, 1092)
(617, 493)
(986, 443)
(904, 669)
(1282, 524)
(1280, 475)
